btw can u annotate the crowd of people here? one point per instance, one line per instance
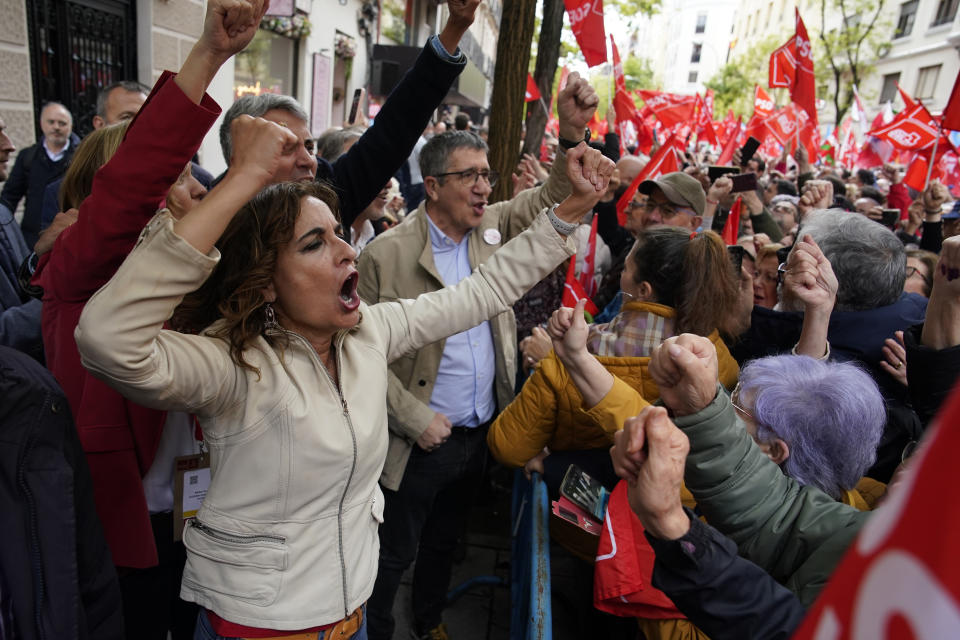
(244, 406)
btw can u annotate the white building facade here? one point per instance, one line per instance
(686, 42)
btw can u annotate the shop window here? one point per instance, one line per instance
(267, 65)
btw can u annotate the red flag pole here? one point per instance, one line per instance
(933, 156)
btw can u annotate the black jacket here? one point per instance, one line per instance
(725, 595)
(54, 558)
(931, 374)
(31, 173)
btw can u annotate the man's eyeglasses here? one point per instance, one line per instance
(667, 210)
(469, 177)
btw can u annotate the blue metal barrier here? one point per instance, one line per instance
(531, 617)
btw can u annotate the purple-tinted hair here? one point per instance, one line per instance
(831, 415)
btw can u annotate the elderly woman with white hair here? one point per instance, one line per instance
(820, 421)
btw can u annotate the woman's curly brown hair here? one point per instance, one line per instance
(248, 247)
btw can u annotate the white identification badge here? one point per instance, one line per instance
(190, 483)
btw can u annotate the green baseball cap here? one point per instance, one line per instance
(680, 188)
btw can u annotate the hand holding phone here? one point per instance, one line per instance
(748, 149)
(355, 106)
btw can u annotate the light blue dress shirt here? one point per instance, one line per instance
(464, 388)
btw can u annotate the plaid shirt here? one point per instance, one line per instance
(634, 332)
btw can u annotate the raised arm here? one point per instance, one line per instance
(576, 104)
(507, 275)
(810, 279)
(162, 138)
(775, 522)
(360, 174)
(119, 335)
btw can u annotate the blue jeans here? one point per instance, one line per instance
(205, 632)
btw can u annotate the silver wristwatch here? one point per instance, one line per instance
(562, 227)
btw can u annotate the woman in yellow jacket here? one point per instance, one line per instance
(673, 282)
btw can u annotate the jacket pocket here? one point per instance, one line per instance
(377, 505)
(245, 566)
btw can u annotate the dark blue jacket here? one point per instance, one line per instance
(725, 595)
(54, 558)
(31, 174)
(19, 314)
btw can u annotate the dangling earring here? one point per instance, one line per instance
(269, 317)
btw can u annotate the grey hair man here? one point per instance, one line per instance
(333, 143)
(359, 175)
(119, 101)
(868, 259)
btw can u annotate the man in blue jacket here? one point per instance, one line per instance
(40, 164)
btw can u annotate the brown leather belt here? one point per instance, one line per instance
(343, 630)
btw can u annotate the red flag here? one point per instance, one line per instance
(731, 229)
(627, 112)
(624, 566)
(619, 81)
(783, 65)
(671, 109)
(598, 127)
(804, 90)
(947, 171)
(911, 129)
(770, 148)
(898, 579)
(572, 291)
(705, 123)
(782, 125)
(586, 21)
(663, 161)
(916, 176)
(587, 281)
(532, 93)
(908, 102)
(951, 113)
(726, 155)
(762, 102)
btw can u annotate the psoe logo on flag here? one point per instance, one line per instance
(786, 123)
(763, 105)
(579, 14)
(905, 138)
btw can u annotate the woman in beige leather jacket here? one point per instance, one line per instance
(289, 382)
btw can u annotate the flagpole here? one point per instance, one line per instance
(933, 156)
(543, 103)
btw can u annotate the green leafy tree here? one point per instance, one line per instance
(846, 53)
(733, 83)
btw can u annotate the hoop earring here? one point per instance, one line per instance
(269, 317)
